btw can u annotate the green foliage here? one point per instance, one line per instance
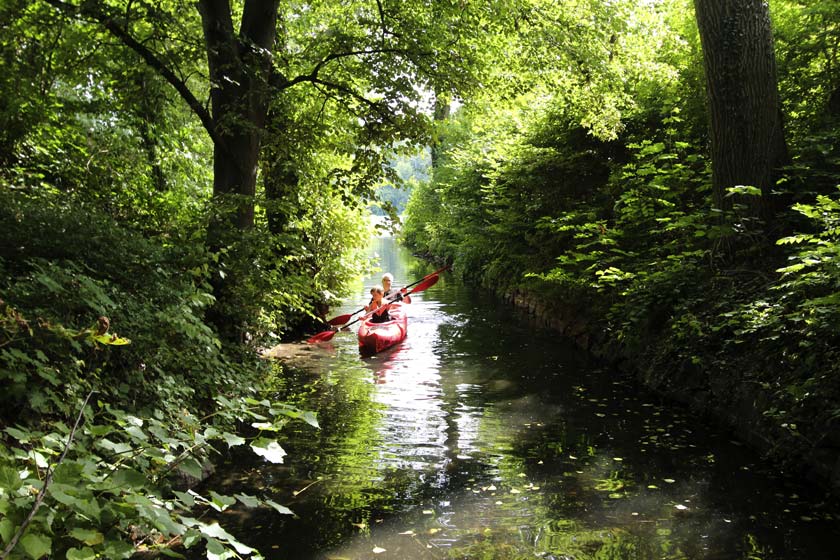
(119, 489)
(166, 401)
(600, 202)
(411, 171)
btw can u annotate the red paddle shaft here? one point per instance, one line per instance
(341, 319)
(423, 284)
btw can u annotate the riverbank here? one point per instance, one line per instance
(482, 436)
(729, 389)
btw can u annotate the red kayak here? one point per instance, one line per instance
(376, 337)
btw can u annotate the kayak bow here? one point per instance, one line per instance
(376, 337)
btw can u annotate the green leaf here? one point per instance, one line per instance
(249, 501)
(7, 530)
(232, 439)
(19, 435)
(117, 550)
(40, 461)
(185, 498)
(269, 449)
(215, 549)
(68, 472)
(79, 499)
(220, 502)
(10, 479)
(129, 478)
(191, 537)
(191, 467)
(170, 553)
(111, 339)
(160, 518)
(215, 530)
(117, 448)
(36, 546)
(136, 433)
(282, 509)
(85, 553)
(310, 418)
(88, 536)
(745, 190)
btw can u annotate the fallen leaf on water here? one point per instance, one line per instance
(680, 507)
(409, 533)
(428, 512)
(433, 530)
(378, 550)
(669, 480)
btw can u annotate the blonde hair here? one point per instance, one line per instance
(377, 290)
(388, 276)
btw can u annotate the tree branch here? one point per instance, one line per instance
(313, 75)
(147, 55)
(348, 91)
(40, 499)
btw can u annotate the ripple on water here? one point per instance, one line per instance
(483, 437)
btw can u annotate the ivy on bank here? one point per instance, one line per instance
(116, 482)
(710, 299)
(155, 403)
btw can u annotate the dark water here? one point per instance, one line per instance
(482, 436)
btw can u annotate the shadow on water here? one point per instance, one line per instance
(481, 436)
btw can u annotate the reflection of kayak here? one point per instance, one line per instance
(376, 337)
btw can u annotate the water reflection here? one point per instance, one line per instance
(482, 437)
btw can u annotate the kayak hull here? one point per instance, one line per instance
(376, 337)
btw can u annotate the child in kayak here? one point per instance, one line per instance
(375, 303)
(393, 294)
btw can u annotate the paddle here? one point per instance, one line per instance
(341, 319)
(423, 284)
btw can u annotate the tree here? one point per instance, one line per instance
(288, 63)
(747, 138)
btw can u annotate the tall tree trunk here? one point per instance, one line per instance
(240, 66)
(240, 70)
(747, 139)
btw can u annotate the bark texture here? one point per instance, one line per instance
(240, 68)
(747, 138)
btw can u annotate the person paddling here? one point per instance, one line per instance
(392, 293)
(375, 303)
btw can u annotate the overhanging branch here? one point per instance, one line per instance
(282, 83)
(111, 25)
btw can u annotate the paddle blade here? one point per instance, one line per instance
(340, 320)
(425, 284)
(321, 337)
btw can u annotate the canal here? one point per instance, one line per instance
(483, 436)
